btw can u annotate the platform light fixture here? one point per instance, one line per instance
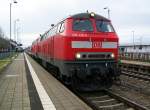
(133, 39)
(108, 11)
(92, 14)
(15, 28)
(15, 1)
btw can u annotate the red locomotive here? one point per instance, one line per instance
(83, 48)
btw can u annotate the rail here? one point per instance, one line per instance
(138, 73)
(135, 56)
(136, 69)
(107, 100)
(130, 103)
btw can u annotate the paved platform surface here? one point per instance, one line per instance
(13, 86)
(136, 62)
(18, 91)
(61, 97)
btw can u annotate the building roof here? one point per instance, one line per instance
(136, 45)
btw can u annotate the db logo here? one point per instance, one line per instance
(96, 44)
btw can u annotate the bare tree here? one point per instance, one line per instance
(1, 32)
(4, 44)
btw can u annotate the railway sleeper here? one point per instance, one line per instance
(118, 106)
(99, 98)
(106, 102)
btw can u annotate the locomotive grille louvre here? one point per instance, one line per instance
(99, 56)
(96, 56)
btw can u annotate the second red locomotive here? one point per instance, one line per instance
(83, 48)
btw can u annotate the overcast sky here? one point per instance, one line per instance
(36, 16)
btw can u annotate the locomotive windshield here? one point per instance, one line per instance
(82, 25)
(104, 26)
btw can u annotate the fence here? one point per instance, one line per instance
(135, 56)
(4, 55)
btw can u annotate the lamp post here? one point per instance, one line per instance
(133, 37)
(15, 27)
(14, 1)
(17, 34)
(141, 38)
(108, 11)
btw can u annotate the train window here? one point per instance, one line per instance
(50, 33)
(82, 25)
(104, 26)
(62, 28)
(42, 37)
(54, 29)
(39, 40)
(46, 35)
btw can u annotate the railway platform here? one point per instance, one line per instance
(25, 85)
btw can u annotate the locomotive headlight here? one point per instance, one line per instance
(112, 55)
(78, 55)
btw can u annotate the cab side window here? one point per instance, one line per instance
(62, 27)
(58, 28)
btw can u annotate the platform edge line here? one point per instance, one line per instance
(45, 99)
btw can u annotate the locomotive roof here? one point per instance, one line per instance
(87, 15)
(84, 16)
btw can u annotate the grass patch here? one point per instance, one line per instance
(4, 62)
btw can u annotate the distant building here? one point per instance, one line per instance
(4, 44)
(7, 45)
(135, 48)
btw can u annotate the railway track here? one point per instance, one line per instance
(136, 71)
(136, 74)
(107, 100)
(135, 77)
